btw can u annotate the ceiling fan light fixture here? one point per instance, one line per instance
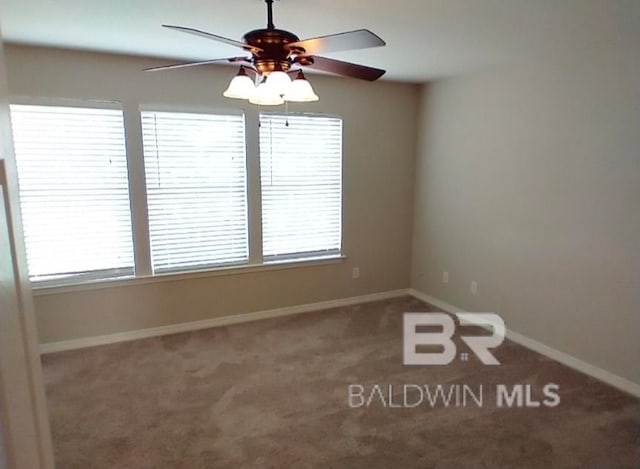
(279, 81)
(273, 54)
(301, 90)
(241, 86)
(265, 95)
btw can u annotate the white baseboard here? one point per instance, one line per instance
(598, 373)
(83, 342)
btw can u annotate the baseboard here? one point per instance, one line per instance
(596, 372)
(84, 342)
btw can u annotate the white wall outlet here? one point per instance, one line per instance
(355, 273)
(474, 287)
(445, 277)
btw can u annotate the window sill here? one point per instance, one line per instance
(177, 276)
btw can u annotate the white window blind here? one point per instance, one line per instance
(301, 177)
(196, 189)
(73, 191)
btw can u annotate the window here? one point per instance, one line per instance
(73, 190)
(192, 174)
(196, 189)
(301, 178)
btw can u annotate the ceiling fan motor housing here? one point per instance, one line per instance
(274, 54)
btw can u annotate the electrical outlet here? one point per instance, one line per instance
(355, 273)
(474, 287)
(445, 277)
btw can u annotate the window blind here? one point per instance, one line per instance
(301, 178)
(73, 191)
(196, 189)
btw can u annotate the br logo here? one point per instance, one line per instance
(445, 327)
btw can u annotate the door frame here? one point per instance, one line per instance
(26, 437)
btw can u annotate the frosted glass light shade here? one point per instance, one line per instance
(265, 95)
(241, 87)
(301, 91)
(279, 81)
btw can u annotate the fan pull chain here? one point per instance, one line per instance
(271, 152)
(286, 113)
(155, 131)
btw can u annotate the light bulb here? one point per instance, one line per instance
(241, 86)
(300, 90)
(266, 95)
(279, 81)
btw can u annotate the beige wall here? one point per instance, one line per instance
(379, 150)
(528, 182)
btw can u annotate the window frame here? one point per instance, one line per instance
(91, 276)
(202, 266)
(319, 254)
(138, 204)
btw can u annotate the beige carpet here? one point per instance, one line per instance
(273, 394)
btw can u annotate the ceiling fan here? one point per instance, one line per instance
(275, 53)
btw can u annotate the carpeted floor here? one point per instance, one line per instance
(274, 394)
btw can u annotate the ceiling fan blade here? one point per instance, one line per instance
(215, 37)
(193, 64)
(358, 39)
(347, 69)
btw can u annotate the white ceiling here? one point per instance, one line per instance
(426, 39)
